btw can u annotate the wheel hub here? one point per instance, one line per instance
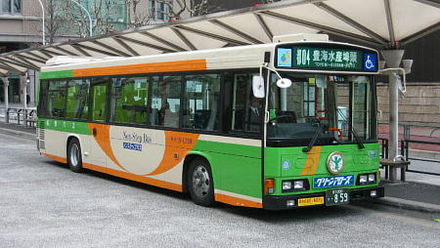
(201, 181)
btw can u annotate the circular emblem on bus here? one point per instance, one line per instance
(335, 163)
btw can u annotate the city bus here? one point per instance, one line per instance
(283, 125)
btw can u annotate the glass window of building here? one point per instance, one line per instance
(160, 10)
(10, 6)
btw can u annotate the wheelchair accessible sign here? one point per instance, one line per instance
(370, 62)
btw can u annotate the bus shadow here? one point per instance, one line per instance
(123, 181)
(278, 217)
(142, 186)
(291, 215)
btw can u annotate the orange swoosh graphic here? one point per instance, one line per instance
(103, 140)
(177, 145)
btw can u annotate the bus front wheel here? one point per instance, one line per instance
(74, 158)
(200, 183)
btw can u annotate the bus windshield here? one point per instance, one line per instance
(337, 109)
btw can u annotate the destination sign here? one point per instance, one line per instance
(322, 58)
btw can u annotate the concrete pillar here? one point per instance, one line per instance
(393, 142)
(32, 87)
(24, 86)
(6, 92)
(393, 59)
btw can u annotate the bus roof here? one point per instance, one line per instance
(239, 57)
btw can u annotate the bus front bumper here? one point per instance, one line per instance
(293, 201)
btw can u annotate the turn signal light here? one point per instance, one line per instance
(269, 185)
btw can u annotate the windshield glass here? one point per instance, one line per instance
(337, 109)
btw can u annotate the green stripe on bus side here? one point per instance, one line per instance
(235, 168)
(56, 74)
(66, 126)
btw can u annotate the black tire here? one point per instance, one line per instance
(74, 158)
(200, 183)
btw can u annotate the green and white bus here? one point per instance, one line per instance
(273, 126)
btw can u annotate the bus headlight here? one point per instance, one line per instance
(295, 185)
(371, 178)
(298, 184)
(287, 185)
(364, 179)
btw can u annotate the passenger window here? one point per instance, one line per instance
(42, 103)
(99, 101)
(56, 103)
(247, 111)
(202, 102)
(77, 99)
(129, 100)
(165, 101)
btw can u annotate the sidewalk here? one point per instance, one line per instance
(420, 192)
(16, 130)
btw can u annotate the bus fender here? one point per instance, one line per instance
(188, 158)
(70, 136)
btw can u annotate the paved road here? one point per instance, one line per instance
(43, 204)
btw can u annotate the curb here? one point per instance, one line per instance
(24, 135)
(408, 204)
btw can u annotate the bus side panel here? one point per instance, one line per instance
(236, 170)
(56, 134)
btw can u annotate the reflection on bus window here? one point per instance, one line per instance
(202, 99)
(246, 110)
(129, 100)
(77, 99)
(339, 105)
(165, 101)
(56, 104)
(99, 101)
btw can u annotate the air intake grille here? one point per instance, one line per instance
(41, 134)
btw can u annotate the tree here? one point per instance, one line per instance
(102, 13)
(138, 15)
(194, 7)
(55, 20)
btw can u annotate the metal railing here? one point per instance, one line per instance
(412, 137)
(405, 144)
(21, 116)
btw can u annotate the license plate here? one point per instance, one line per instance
(303, 202)
(336, 181)
(337, 197)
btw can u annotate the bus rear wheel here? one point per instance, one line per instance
(74, 158)
(200, 183)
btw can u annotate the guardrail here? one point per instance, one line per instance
(27, 117)
(405, 150)
(405, 144)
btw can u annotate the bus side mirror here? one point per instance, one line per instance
(284, 83)
(258, 86)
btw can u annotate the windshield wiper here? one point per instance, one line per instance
(357, 138)
(353, 131)
(314, 138)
